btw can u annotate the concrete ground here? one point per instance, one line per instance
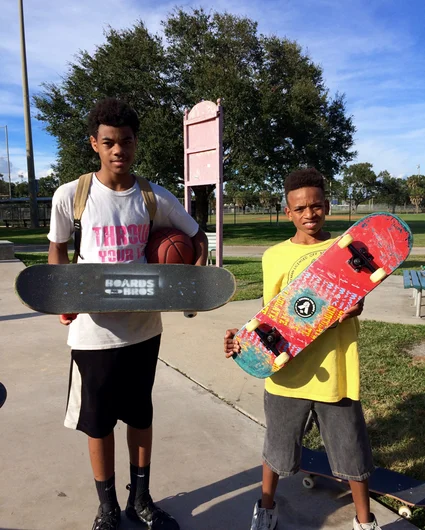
(207, 453)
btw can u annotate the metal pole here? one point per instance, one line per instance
(27, 118)
(8, 162)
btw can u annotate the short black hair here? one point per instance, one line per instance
(113, 112)
(304, 178)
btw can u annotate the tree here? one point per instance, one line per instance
(241, 196)
(393, 191)
(4, 187)
(20, 189)
(47, 186)
(360, 183)
(278, 114)
(416, 185)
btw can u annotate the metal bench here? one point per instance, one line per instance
(212, 246)
(413, 279)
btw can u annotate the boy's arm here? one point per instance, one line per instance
(58, 255)
(200, 244)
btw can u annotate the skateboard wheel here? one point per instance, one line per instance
(190, 314)
(252, 324)
(345, 241)
(309, 482)
(378, 275)
(281, 359)
(405, 512)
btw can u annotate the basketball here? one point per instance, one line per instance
(169, 245)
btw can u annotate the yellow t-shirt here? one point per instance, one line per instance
(328, 369)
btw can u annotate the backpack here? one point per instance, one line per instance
(80, 200)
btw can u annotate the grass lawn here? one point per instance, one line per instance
(263, 233)
(249, 230)
(25, 236)
(393, 397)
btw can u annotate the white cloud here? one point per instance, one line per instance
(42, 162)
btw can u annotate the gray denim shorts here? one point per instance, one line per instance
(342, 427)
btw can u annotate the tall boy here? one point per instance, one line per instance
(324, 379)
(114, 356)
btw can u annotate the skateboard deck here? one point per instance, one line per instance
(406, 490)
(3, 394)
(346, 272)
(99, 288)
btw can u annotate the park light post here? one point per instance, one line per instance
(7, 158)
(27, 118)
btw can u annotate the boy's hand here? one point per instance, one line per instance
(231, 346)
(67, 319)
(354, 311)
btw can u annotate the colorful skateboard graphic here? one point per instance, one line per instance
(100, 288)
(345, 273)
(406, 490)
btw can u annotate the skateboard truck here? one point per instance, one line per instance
(270, 339)
(361, 258)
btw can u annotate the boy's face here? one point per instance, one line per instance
(307, 209)
(116, 147)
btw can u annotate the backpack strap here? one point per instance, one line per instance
(80, 200)
(148, 197)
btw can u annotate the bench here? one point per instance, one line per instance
(413, 279)
(212, 246)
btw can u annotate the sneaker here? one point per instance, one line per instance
(107, 519)
(366, 526)
(147, 513)
(263, 519)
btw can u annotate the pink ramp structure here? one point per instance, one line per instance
(203, 158)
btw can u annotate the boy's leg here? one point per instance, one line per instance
(102, 457)
(345, 436)
(285, 420)
(135, 409)
(139, 446)
(91, 408)
(268, 487)
(360, 493)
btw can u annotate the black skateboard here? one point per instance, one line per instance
(133, 287)
(3, 394)
(408, 491)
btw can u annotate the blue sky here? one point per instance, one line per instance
(373, 51)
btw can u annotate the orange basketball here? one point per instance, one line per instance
(169, 245)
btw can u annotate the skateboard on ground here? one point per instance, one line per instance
(315, 300)
(100, 288)
(3, 394)
(408, 491)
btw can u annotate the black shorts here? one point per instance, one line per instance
(110, 385)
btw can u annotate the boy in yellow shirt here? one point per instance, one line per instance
(323, 380)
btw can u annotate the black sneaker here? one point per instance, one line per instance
(147, 513)
(107, 519)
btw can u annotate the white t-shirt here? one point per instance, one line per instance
(115, 229)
